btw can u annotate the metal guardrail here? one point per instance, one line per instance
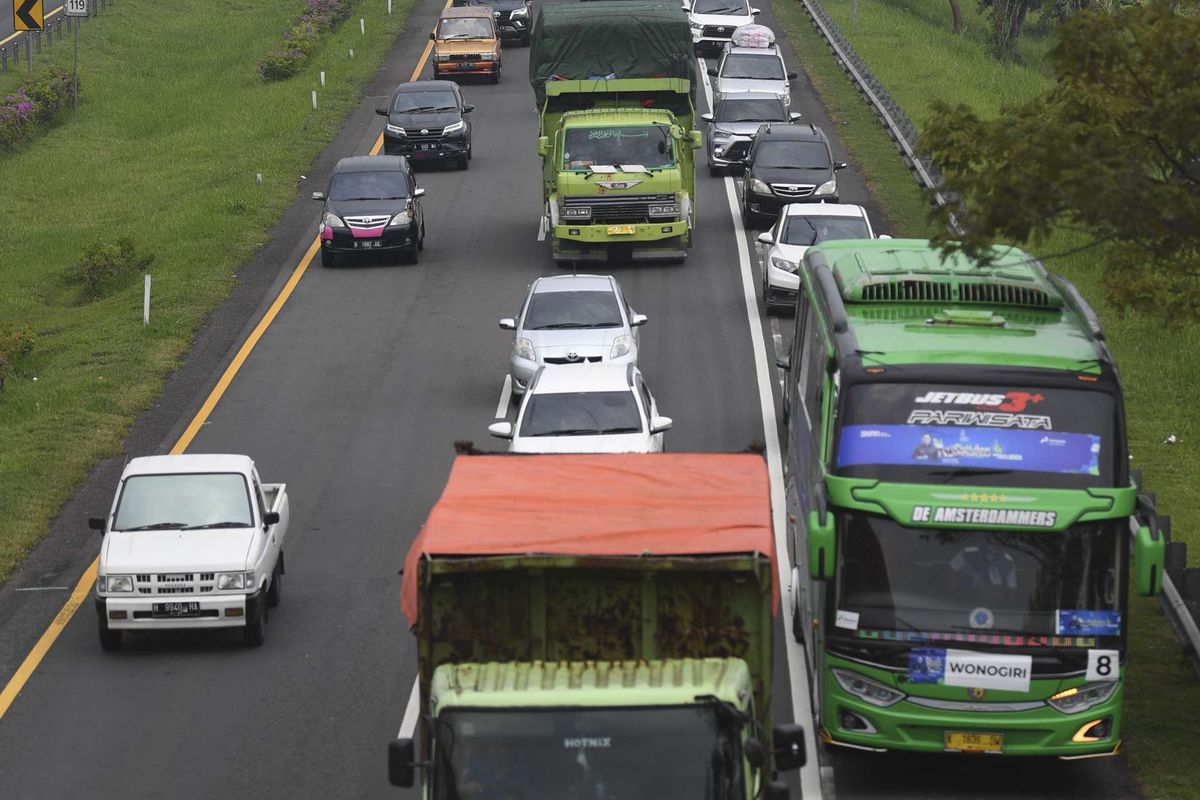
(57, 25)
(1180, 597)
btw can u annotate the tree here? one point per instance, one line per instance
(956, 15)
(1112, 150)
(1008, 20)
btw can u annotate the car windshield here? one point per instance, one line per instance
(757, 67)
(465, 28)
(391, 185)
(424, 102)
(562, 310)
(741, 8)
(642, 145)
(804, 230)
(183, 500)
(756, 110)
(1032, 582)
(600, 753)
(800, 155)
(581, 414)
(1007, 435)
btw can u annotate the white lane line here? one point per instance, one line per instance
(810, 777)
(409, 723)
(541, 237)
(505, 397)
(43, 589)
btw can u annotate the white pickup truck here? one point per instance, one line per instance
(192, 541)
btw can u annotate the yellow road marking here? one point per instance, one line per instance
(15, 34)
(83, 588)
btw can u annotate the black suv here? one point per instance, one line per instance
(373, 206)
(427, 121)
(513, 17)
(788, 164)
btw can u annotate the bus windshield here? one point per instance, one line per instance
(990, 435)
(934, 581)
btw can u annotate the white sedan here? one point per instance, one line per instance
(799, 227)
(586, 408)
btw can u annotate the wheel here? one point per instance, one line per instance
(461, 163)
(414, 255)
(525, 40)
(255, 632)
(797, 625)
(496, 75)
(328, 259)
(110, 640)
(714, 170)
(468, 149)
(275, 593)
(421, 237)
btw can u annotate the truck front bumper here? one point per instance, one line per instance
(621, 234)
(215, 611)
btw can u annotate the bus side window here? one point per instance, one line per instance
(814, 359)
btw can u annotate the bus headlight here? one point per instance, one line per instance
(864, 688)
(1081, 698)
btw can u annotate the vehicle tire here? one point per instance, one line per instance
(797, 625)
(496, 75)
(110, 640)
(414, 255)
(714, 171)
(462, 162)
(421, 237)
(525, 40)
(255, 632)
(275, 593)
(328, 260)
(469, 153)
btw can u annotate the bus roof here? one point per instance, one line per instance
(904, 304)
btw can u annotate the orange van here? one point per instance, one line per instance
(466, 42)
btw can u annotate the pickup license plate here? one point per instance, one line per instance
(464, 65)
(961, 742)
(176, 609)
(618, 230)
(368, 244)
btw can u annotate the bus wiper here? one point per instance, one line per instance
(968, 472)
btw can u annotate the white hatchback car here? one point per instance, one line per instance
(586, 408)
(799, 227)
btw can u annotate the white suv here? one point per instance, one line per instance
(714, 21)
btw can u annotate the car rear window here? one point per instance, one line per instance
(581, 414)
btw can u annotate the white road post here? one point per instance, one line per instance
(314, 98)
(362, 26)
(146, 302)
(389, 6)
(322, 79)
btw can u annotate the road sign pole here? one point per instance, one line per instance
(75, 71)
(29, 50)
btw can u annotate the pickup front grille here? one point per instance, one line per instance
(621, 208)
(175, 583)
(466, 56)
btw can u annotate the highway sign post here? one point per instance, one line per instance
(75, 8)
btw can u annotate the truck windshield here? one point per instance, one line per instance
(967, 583)
(644, 145)
(183, 500)
(1008, 435)
(597, 754)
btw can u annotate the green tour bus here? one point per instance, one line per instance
(962, 517)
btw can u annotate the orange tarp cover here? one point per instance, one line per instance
(601, 505)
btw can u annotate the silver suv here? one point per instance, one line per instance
(753, 69)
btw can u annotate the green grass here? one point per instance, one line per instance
(912, 50)
(172, 126)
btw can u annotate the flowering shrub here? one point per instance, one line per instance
(35, 102)
(299, 43)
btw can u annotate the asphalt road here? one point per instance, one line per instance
(354, 397)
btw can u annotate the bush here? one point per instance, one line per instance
(16, 345)
(105, 266)
(301, 41)
(35, 102)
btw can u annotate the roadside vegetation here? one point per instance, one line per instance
(155, 172)
(911, 47)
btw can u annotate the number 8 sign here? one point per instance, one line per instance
(1103, 665)
(76, 8)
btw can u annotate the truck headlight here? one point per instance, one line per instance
(864, 688)
(784, 264)
(523, 348)
(332, 221)
(454, 127)
(396, 129)
(577, 212)
(621, 346)
(1081, 698)
(666, 210)
(828, 187)
(227, 581)
(403, 218)
(758, 187)
(116, 583)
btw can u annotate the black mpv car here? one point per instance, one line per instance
(373, 206)
(788, 164)
(427, 121)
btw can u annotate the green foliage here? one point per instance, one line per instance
(105, 266)
(1112, 149)
(16, 345)
(34, 103)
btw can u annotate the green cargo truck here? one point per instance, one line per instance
(966, 525)
(613, 82)
(596, 626)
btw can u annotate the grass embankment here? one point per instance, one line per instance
(912, 50)
(173, 124)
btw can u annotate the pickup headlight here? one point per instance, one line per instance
(864, 688)
(454, 127)
(758, 187)
(332, 221)
(577, 212)
(1081, 698)
(441, 56)
(403, 218)
(396, 129)
(489, 56)
(828, 187)
(116, 583)
(523, 348)
(784, 264)
(621, 346)
(227, 581)
(666, 210)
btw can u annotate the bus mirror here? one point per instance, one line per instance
(400, 763)
(1149, 555)
(543, 145)
(820, 546)
(789, 747)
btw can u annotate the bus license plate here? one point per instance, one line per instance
(616, 230)
(960, 742)
(176, 609)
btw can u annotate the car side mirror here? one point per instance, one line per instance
(419, 191)
(686, 6)
(784, 362)
(840, 165)
(712, 71)
(788, 741)
(318, 196)
(696, 138)
(401, 769)
(271, 518)
(433, 36)
(382, 111)
(96, 523)
(501, 430)
(707, 117)
(883, 236)
(508, 324)
(543, 145)
(766, 238)
(638, 319)
(468, 108)
(660, 424)
(821, 545)
(795, 115)
(791, 76)
(754, 12)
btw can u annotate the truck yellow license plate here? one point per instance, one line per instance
(974, 742)
(615, 230)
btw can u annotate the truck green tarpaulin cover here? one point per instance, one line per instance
(609, 38)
